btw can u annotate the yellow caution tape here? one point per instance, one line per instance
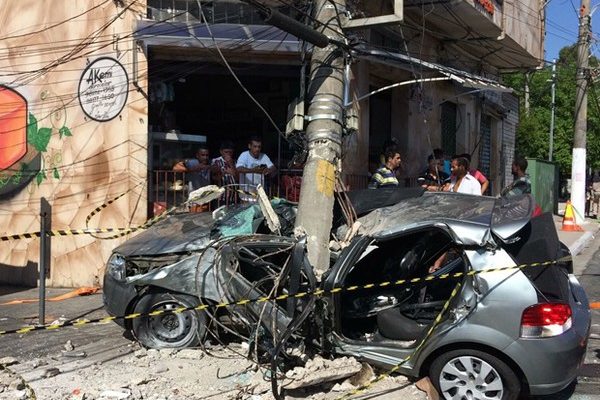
(93, 231)
(317, 292)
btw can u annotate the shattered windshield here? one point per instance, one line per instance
(248, 219)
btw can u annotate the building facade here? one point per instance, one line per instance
(98, 99)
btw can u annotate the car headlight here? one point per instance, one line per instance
(115, 266)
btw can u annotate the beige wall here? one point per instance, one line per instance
(523, 23)
(44, 50)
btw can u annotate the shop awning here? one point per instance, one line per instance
(464, 78)
(260, 38)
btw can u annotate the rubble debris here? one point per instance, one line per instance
(343, 386)
(13, 387)
(426, 386)
(78, 394)
(142, 381)
(319, 370)
(69, 346)
(190, 354)
(50, 372)
(8, 361)
(74, 354)
(61, 320)
(363, 377)
(140, 353)
(16, 384)
(38, 363)
(159, 369)
(118, 394)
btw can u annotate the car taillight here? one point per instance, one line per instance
(545, 320)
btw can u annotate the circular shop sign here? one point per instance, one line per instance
(103, 89)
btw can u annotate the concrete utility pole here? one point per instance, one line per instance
(324, 136)
(579, 138)
(553, 105)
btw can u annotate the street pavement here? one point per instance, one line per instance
(106, 343)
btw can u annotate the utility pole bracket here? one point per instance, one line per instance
(351, 119)
(295, 119)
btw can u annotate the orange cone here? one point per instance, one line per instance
(568, 223)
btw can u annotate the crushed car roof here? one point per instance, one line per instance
(470, 217)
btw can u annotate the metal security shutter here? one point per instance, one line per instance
(485, 148)
(449, 128)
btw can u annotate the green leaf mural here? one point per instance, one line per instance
(64, 131)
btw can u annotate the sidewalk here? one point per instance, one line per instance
(576, 241)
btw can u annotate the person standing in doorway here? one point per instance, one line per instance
(224, 172)
(253, 166)
(197, 169)
(385, 176)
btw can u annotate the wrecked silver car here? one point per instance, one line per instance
(405, 291)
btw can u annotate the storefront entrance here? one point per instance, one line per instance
(194, 103)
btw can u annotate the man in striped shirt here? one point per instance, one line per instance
(386, 175)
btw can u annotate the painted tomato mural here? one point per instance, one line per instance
(22, 145)
(13, 127)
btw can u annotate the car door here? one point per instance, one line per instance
(380, 320)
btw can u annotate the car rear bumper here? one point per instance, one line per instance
(549, 364)
(117, 297)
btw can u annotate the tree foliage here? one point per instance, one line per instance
(533, 132)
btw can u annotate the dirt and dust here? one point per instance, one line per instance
(132, 372)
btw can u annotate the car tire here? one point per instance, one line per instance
(473, 374)
(168, 330)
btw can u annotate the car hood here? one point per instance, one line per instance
(177, 233)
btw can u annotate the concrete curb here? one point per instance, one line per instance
(578, 246)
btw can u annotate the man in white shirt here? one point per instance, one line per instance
(253, 166)
(460, 180)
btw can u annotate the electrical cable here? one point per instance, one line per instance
(297, 262)
(235, 75)
(57, 24)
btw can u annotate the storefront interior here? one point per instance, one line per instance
(191, 103)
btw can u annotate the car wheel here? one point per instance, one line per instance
(472, 374)
(169, 330)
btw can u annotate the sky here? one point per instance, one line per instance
(562, 26)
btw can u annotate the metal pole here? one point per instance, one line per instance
(579, 138)
(43, 258)
(324, 136)
(553, 105)
(527, 79)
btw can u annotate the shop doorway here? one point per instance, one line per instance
(193, 102)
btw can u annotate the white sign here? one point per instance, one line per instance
(103, 89)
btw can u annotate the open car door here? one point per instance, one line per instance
(381, 320)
